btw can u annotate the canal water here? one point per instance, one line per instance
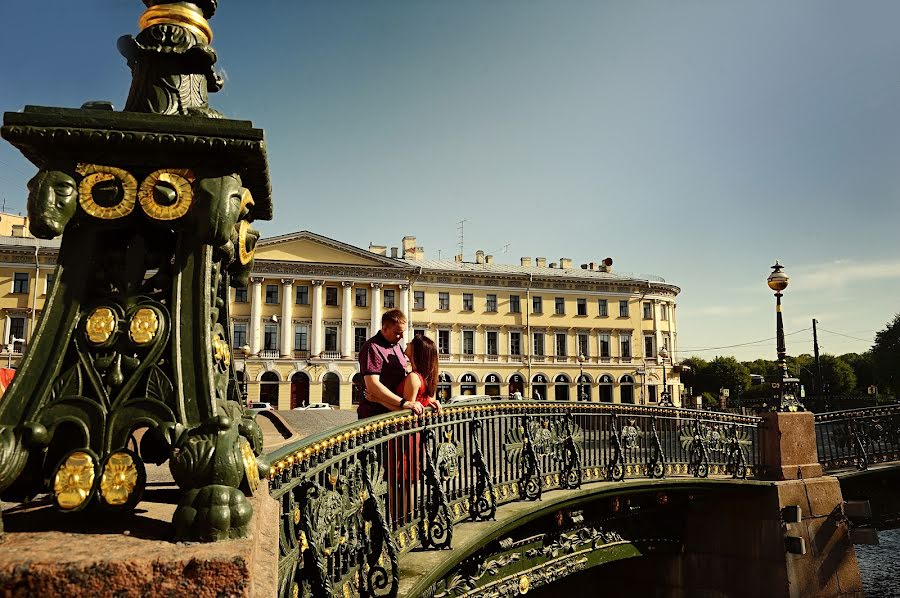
(880, 565)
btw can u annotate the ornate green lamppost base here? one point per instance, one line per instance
(155, 212)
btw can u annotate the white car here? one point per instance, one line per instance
(314, 407)
(256, 407)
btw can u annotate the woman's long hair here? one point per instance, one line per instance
(426, 360)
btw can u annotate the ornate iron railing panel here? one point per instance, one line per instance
(355, 498)
(858, 437)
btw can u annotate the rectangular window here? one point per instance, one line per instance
(443, 300)
(491, 342)
(468, 302)
(17, 333)
(444, 342)
(583, 348)
(490, 303)
(239, 337)
(272, 293)
(582, 307)
(301, 337)
(468, 339)
(538, 344)
(537, 305)
(20, 283)
(331, 296)
(561, 344)
(625, 343)
(270, 337)
(389, 301)
(419, 332)
(331, 338)
(648, 310)
(49, 286)
(302, 293)
(648, 346)
(515, 343)
(418, 299)
(560, 306)
(651, 393)
(240, 295)
(605, 345)
(514, 306)
(359, 338)
(623, 308)
(361, 296)
(663, 311)
(603, 307)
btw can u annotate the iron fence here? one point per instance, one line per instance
(355, 498)
(858, 437)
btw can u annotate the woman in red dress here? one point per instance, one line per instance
(420, 385)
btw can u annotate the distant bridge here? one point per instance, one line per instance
(526, 493)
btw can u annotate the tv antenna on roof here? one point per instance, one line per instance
(461, 227)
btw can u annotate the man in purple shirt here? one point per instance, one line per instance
(383, 366)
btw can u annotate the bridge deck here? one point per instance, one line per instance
(420, 568)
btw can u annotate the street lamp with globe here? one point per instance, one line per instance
(582, 395)
(665, 400)
(787, 398)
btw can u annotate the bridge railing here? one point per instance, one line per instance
(353, 499)
(858, 437)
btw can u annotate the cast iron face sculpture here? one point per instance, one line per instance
(155, 206)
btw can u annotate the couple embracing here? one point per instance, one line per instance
(396, 380)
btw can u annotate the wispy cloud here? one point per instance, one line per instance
(841, 273)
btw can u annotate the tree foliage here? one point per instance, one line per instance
(886, 356)
(728, 372)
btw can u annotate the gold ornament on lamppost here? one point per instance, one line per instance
(786, 386)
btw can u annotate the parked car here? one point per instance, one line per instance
(257, 407)
(314, 407)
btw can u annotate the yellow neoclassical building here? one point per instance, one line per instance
(547, 330)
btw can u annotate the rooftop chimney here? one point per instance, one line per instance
(525, 262)
(606, 266)
(479, 257)
(457, 257)
(409, 247)
(552, 264)
(394, 251)
(488, 259)
(420, 253)
(540, 262)
(565, 263)
(378, 249)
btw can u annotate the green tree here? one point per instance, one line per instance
(886, 355)
(728, 372)
(863, 366)
(693, 379)
(837, 376)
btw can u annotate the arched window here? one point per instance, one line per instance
(584, 388)
(606, 388)
(268, 388)
(539, 387)
(299, 390)
(516, 384)
(626, 389)
(331, 389)
(561, 387)
(492, 385)
(444, 389)
(467, 384)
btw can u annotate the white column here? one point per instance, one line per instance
(404, 304)
(287, 315)
(315, 330)
(347, 320)
(376, 307)
(657, 341)
(255, 315)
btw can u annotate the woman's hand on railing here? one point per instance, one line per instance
(416, 407)
(436, 405)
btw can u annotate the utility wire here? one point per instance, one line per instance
(865, 340)
(765, 340)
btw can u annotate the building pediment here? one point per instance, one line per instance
(307, 247)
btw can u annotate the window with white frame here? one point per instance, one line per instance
(331, 338)
(664, 311)
(623, 308)
(561, 344)
(418, 299)
(605, 345)
(648, 310)
(583, 347)
(301, 337)
(468, 340)
(361, 296)
(581, 305)
(537, 304)
(301, 294)
(419, 332)
(625, 345)
(16, 333)
(515, 343)
(468, 303)
(240, 295)
(514, 304)
(359, 338)
(538, 338)
(443, 300)
(270, 337)
(389, 298)
(272, 294)
(560, 306)
(239, 334)
(649, 346)
(491, 342)
(602, 307)
(331, 296)
(49, 286)
(20, 283)
(443, 342)
(490, 303)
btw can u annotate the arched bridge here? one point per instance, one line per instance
(499, 498)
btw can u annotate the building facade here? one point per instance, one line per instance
(547, 331)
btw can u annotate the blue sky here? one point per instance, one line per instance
(697, 141)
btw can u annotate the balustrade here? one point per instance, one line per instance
(357, 497)
(858, 437)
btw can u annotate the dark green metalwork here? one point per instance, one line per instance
(571, 457)
(440, 461)
(737, 461)
(656, 464)
(699, 463)
(615, 469)
(154, 205)
(858, 437)
(483, 499)
(531, 482)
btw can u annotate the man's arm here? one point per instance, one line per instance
(379, 393)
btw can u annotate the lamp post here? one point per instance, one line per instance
(787, 399)
(664, 399)
(582, 396)
(246, 351)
